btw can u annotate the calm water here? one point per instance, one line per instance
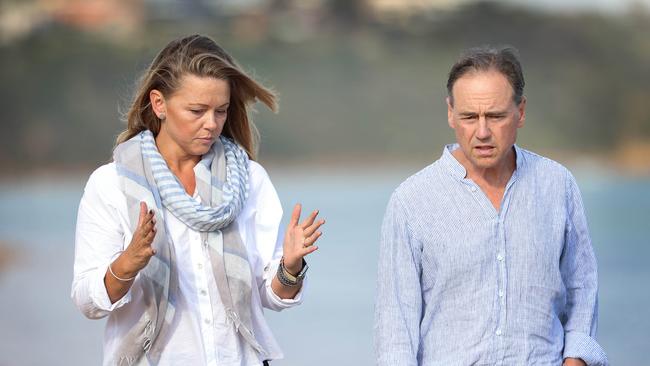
(39, 325)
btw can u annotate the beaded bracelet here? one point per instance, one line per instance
(283, 278)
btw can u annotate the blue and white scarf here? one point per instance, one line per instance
(222, 184)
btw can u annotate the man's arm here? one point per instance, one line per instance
(579, 273)
(398, 306)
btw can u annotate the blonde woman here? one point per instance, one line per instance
(177, 238)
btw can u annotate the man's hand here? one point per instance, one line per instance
(573, 362)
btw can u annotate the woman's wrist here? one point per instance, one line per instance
(123, 268)
(288, 279)
(293, 266)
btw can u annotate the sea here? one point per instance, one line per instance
(39, 325)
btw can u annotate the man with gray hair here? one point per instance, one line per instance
(485, 255)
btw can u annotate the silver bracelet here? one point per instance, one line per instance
(113, 273)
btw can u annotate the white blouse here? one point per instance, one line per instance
(201, 334)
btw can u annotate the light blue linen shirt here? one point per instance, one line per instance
(461, 283)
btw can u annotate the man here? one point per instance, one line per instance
(485, 254)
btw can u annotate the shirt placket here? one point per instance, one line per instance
(206, 318)
(502, 269)
(502, 285)
(497, 241)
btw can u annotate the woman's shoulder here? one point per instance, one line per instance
(104, 174)
(103, 181)
(260, 186)
(257, 175)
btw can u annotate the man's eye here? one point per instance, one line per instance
(196, 111)
(222, 111)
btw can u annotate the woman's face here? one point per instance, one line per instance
(194, 115)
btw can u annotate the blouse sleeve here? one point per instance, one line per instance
(98, 240)
(268, 238)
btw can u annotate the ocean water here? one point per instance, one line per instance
(40, 325)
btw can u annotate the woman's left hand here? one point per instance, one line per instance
(299, 239)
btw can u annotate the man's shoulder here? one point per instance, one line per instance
(542, 166)
(424, 176)
(420, 184)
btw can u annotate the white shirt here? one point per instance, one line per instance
(200, 334)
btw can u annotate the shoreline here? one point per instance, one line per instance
(632, 161)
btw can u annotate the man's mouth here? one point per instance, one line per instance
(484, 150)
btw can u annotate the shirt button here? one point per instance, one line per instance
(500, 257)
(203, 292)
(200, 265)
(473, 189)
(498, 332)
(500, 293)
(206, 320)
(205, 242)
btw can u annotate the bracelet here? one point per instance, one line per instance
(282, 277)
(286, 278)
(119, 278)
(113, 273)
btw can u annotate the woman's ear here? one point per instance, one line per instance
(157, 101)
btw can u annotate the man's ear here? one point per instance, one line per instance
(157, 101)
(450, 113)
(522, 112)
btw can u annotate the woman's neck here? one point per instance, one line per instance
(177, 160)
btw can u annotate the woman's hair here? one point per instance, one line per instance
(200, 56)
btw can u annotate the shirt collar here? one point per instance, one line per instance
(458, 171)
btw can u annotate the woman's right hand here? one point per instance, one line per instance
(119, 276)
(137, 254)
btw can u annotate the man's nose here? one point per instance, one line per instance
(483, 131)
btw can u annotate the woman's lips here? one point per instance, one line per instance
(206, 140)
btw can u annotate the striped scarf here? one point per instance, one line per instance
(222, 183)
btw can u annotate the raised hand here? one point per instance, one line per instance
(137, 254)
(299, 239)
(120, 274)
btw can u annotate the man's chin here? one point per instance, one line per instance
(484, 162)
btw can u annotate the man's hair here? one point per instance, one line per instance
(485, 58)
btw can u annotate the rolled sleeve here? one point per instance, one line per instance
(99, 295)
(273, 301)
(583, 346)
(99, 238)
(264, 232)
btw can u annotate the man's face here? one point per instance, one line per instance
(485, 118)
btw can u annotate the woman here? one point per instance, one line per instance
(176, 238)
